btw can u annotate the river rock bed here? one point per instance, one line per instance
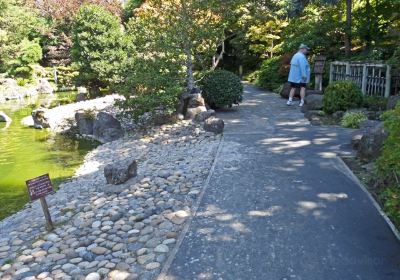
(113, 232)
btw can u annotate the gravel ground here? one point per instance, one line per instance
(113, 232)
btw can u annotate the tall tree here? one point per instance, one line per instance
(186, 32)
(98, 48)
(298, 5)
(347, 33)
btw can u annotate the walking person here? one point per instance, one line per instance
(299, 74)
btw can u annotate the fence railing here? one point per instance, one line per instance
(395, 83)
(373, 79)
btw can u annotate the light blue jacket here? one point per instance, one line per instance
(299, 69)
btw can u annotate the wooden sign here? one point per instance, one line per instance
(319, 64)
(38, 188)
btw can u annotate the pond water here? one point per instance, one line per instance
(26, 153)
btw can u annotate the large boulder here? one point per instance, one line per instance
(191, 113)
(392, 102)
(4, 117)
(364, 129)
(371, 143)
(314, 102)
(40, 119)
(8, 82)
(312, 114)
(44, 87)
(286, 91)
(120, 172)
(215, 125)
(82, 93)
(84, 122)
(9, 90)
(314, 91)
(195, 105)
(201, 117)
(106, 128)
(196, 100)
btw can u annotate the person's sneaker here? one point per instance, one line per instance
(301, 103)
(289, 103)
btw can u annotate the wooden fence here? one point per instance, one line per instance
(373, 79)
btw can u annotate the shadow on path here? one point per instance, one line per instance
(280, 205)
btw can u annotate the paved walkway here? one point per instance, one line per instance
(281, 205)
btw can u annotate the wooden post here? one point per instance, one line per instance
(318, 81)
(364, 79)
(347, 70)
(388, 81)
(49, 223)
(331, 72)
(241, 71)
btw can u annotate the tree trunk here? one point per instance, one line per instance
(219, 57)
(187, 45)
(347, 39)
(189, 68)
(368, 37)
(183, 99)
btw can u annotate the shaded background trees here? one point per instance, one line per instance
(171, 44)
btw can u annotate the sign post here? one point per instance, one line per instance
(319, 69)
(38, 188)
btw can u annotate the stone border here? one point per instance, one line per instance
(195, 208)
(353, 177)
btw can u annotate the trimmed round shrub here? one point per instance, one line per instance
(222, 88)
(341, 96)
(353, 119)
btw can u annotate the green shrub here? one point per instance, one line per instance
(278, 89)
(388, 164)
(353, 119)
(394, 61)
(22, 82)
(375, 103)
(252, 77)
(135, 106)
(222, 88)
(23, 67)
(391, 203)
(98, 48)
(90, 114)
(341, 96)
(66, 76)
(269, 75)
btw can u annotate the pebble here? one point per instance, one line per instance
(5, 248)
(93, 276)
(161, 249)
(118, 247)
(152, 266)
(98, 250)
(122, 266)
(6, 267)
(169, 241)
(118, 275)
(96, 224)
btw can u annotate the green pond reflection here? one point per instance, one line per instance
(26, 153)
